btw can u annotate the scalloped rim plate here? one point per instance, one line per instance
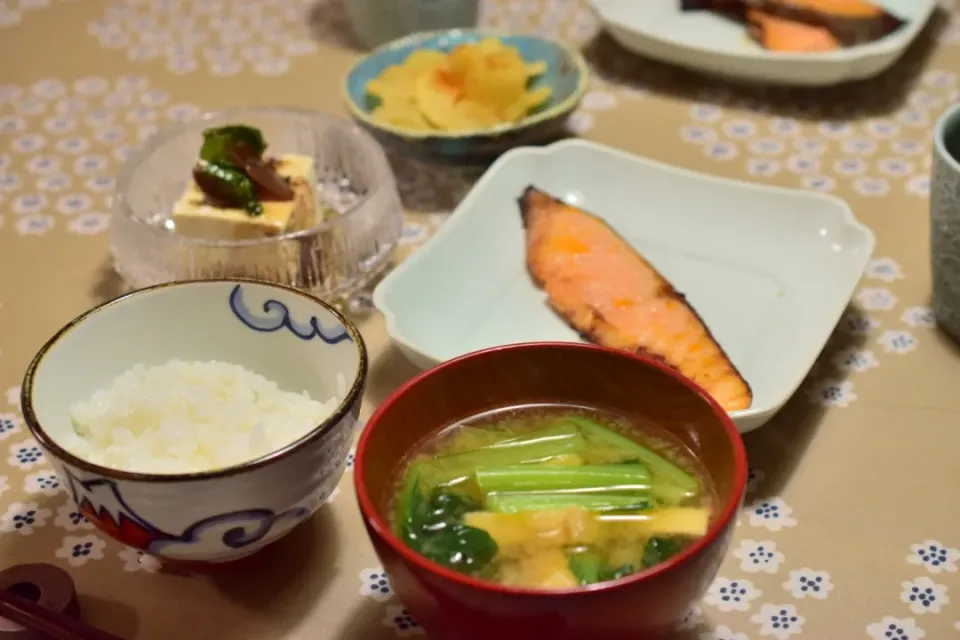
(705, 42)
(770, 269)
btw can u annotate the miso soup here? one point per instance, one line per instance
(551, 496)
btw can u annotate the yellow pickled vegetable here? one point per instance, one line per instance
(477, 85)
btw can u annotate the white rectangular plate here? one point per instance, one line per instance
(769, 269)
(703, 41)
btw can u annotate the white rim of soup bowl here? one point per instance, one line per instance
(49, 443)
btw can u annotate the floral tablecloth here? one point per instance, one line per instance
(852, 526)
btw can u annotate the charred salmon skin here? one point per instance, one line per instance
(612, 296)
(777, 34)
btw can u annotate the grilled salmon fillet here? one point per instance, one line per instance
(777, 34)
(851, 22)
(612, 296)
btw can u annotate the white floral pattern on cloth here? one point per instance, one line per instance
(35, 224)
(88, 224)
(876, 299)
(44, 482)
(28, 203)
(697, 134)
(24, 518)
(25, 455)
(919, 317)
(831, 393)
(898, 342)
(855, 360)
(135, 560)
(732, 595)
(772, 514)
(9, 425)
(923, 595)
(580, 122)
(873, 156)
(413, 232)
(758, 556)
(374, 583)
(67, 171)
(16, 12)
(220, 38)
(808, 583)
(778, 620)
(13, 396)
(397, 617)
(70, 518)
(79, 550)
(857, 323)
(565, 19)
(598, 101)
(883, 269)
(722, 632)
(934, 556)
(891, 628)
(692, 619)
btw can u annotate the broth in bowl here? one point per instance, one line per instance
(551, 496)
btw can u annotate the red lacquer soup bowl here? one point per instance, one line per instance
(452, 606)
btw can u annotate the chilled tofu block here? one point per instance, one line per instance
(192, 216)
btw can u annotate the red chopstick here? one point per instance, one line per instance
(57, 626)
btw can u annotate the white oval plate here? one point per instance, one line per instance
(769, 269)
(704, 41)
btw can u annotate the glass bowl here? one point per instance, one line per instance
(333, 260)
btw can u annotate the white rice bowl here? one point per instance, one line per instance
(188, 416)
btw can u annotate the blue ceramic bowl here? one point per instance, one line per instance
(566, 75)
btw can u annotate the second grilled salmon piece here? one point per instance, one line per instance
(851, 22)
(777, 34)
(614, 297)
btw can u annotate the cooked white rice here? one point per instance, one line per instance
(190, 416)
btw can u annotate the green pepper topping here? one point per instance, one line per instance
(240, 148)
(220, 144)
(226, 185)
